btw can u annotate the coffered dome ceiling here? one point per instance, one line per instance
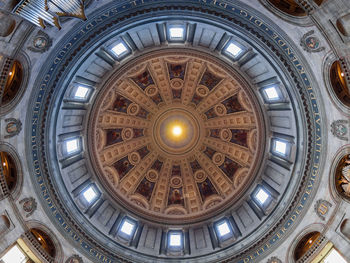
(176, 133)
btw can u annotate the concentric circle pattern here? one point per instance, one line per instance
(177, 136)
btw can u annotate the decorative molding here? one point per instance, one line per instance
(322, 208)
(29, 205)
(13, 127)
(339, 129)
(311, 43)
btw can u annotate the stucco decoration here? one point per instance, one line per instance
(13, 127)
(274, 260)
(339, 129)
(311, 43)
(74, 259)
(322, 208)
(29, 205)
(41, 42)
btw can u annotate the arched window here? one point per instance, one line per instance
(305, 244)
(342, 177)
(339, 84)
(45, 241)
(288, 6)
(9, 170)
(13, 83)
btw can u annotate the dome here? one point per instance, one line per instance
(174, 137)
(171, 124)
(174, 131)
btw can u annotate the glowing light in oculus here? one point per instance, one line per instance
(233, 49)
(177, 130)
(271, 93)
(81, 92)
(14, 255)
(176, 32)
(72, 146)
(175, 239)
(261, 196)
(119, 49)
(89, 194)
(223, 228)
(280, 147)
(127, 227)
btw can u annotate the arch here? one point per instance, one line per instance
(11, 172)
(342, 177)
(44, 241)
(13, 78)
(284, 10)
(305, 243)
(338, 82)
(13, 82)
(289, 7)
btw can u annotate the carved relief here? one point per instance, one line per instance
(322, 208)
(74, 259)
(41, 42)
(311, 43)
(29, 205)
(339, 129)
(13, 127)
